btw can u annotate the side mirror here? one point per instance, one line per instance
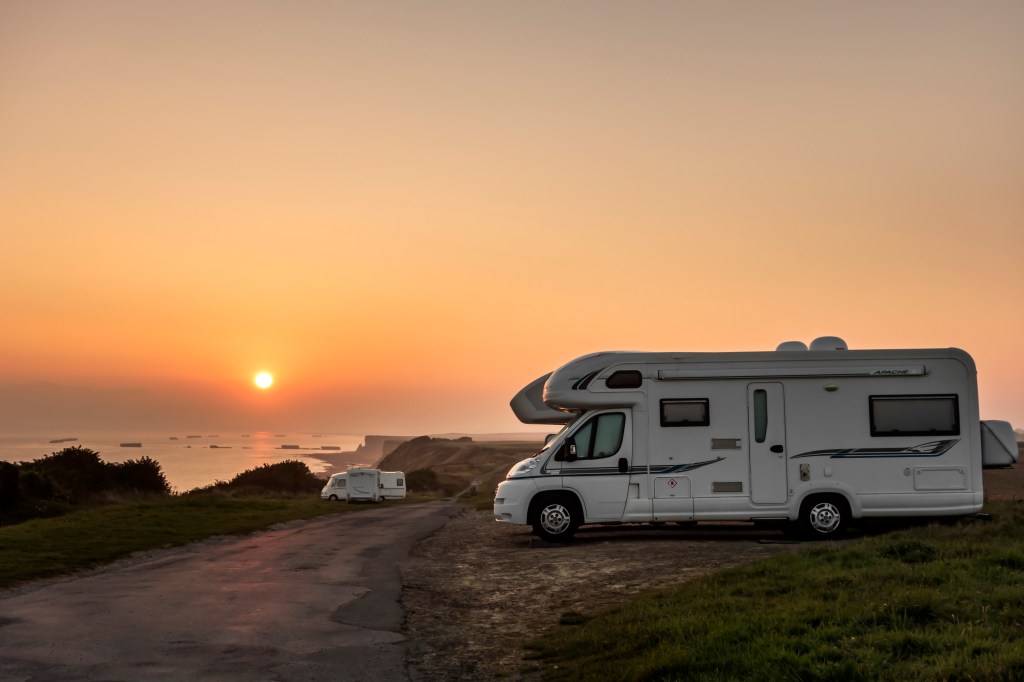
(570, 450)
(548, 438)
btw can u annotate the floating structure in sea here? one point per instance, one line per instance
(131, 445)
(63, 440)
(289, 447)
(193, 436)
(220, 447)
(330, 447)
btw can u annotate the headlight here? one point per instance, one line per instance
(524, 467)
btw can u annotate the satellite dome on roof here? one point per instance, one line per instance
(791, 345)
(829, 343)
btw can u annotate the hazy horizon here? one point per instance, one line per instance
(407, 211)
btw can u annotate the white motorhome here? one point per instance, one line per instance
(336, 488)
(372, 485)
(392, 485)
(363, 485)
(817, 436)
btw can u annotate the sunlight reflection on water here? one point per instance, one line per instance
(192, 460)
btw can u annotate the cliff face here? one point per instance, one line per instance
(375, 448)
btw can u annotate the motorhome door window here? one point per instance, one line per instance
(760, 415)
(600, 437)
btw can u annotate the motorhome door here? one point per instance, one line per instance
(766, 415)
(595, 462)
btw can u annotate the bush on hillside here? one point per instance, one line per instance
(55, 484)
(422, 479)
(9, 481)
(140, 475)
(427, 480)
(288, 477)
(75, 473)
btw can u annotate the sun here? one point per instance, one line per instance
(264, 380)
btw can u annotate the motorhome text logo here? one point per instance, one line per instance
(890, 372)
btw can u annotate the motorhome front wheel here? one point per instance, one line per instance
(556, 520)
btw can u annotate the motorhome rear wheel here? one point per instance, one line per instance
(824, 516)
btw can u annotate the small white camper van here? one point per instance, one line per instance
(336, 488)
(817, 436)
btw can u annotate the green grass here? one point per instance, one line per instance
(482, 498)
(95, 535)
(941, 602)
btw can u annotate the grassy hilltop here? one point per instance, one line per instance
(450, 466)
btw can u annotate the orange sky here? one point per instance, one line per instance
(408, 210)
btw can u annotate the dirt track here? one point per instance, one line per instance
(476, 591)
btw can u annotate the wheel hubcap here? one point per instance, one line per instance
(554, 518)
(825, 517)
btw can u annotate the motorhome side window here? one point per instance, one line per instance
(915, 415)
(600, 437)
(688, 412)
(625, 378)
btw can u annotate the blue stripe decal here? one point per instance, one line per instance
(634, 470)
(930, 449)
(680, 468)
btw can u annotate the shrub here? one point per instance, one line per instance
(143, 475)
(77, 472)
(9, 476)
(54, 484)
(291, 477)
(422, 479)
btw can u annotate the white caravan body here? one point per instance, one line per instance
(363, 485)
(815, 436)
(392, 485)
(336, 488)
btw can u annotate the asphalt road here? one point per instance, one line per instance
(317, 600)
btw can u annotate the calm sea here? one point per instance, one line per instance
(192, 460)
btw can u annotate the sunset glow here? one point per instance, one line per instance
(411, 210)
(264, 380)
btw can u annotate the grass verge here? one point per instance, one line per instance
(481, 497)
(941, 602)
(92, 536)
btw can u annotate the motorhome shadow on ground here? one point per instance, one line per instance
(815, 437)
(365, 485)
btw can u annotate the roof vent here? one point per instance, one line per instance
(791, 345)
(829, 343)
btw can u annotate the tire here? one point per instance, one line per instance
(823, 517)
(556, 517)
(333, 498)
